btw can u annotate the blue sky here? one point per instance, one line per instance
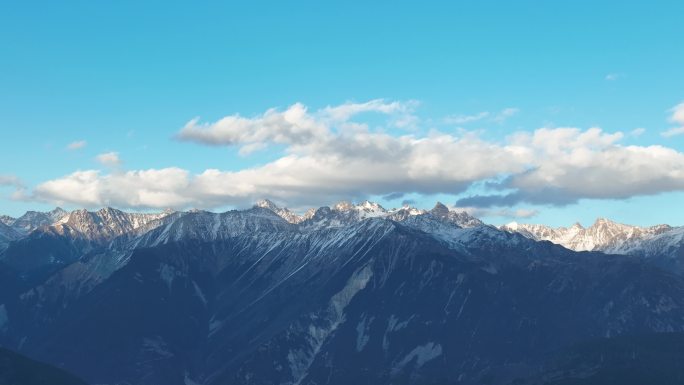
(126, 77)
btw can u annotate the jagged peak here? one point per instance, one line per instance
(440, 209)
(511, 226)
(603, 221)
(57, 211)
(7, 220)
(110, 212)
(371, 205)
(282, 212)
(343, 206)
(309, 213)
(266, 204)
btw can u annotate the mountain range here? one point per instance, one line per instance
(351, 293)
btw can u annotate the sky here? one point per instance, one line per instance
(533, 111)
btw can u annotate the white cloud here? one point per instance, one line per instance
(292, 126)
(571, 164)
(136, 189)
(328, 156)
(350, 166)
(295, 126)
(77, 145)
(109, 159)
(612, 76)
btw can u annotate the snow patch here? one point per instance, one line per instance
(421, 355)
(199, 293)
(214, 326)
(463, 305)
(331, 318)
(362, 335)
(168, 273)
(393, 325)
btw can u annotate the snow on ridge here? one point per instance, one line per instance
(603, 235)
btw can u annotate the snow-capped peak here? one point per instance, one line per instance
(343, 206)
(7, 220)
(266, 204)
(106, 223)
(603, 235)
(32, 220)
(512, 226)
(440, 210)
(282, 212)
(460, 218)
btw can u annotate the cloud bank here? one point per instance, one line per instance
(332, 154)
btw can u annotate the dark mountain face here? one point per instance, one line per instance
(248, 298)
(653, 358)
(18, 370)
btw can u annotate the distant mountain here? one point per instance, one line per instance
(603, 235)
(35, 219)
(661, 245)
(18, 370)
(107, 223)
(345, 212)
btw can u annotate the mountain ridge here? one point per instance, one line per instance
(353, 293)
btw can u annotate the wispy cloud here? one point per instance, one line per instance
(109, 159)
(637, 132)
(505, 114)
(463, 119)
(674, 131)
(677, 118)
(497, 117)
(612, 76)
(10, 180)
(77, 145)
